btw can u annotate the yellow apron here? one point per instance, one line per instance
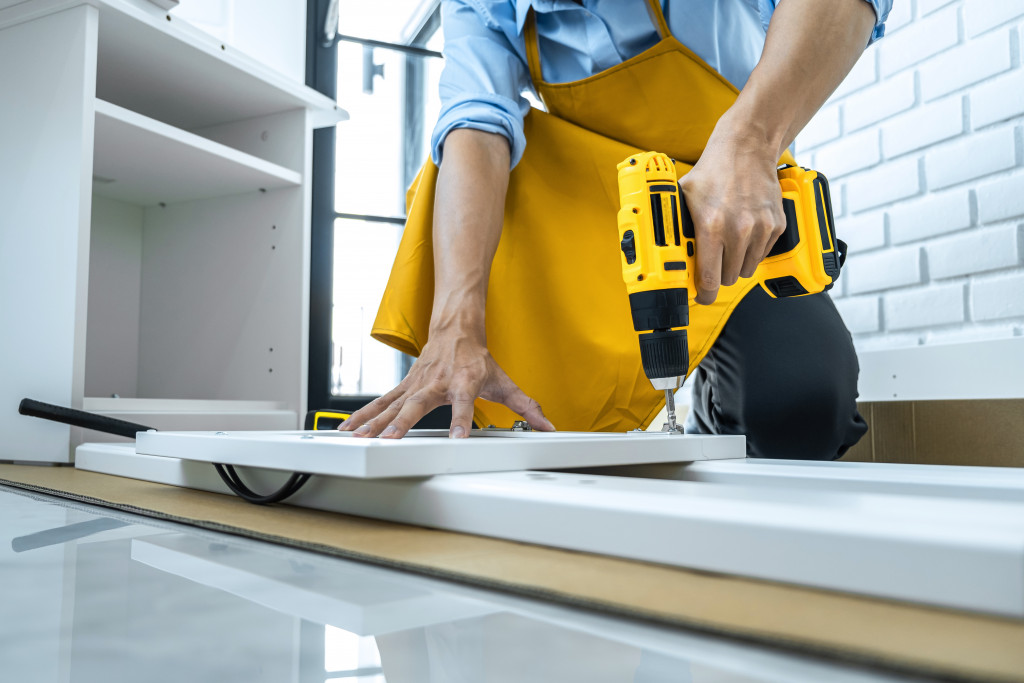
(557, 315)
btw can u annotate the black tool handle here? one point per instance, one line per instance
(80, 418)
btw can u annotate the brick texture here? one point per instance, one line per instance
(924, 142)
(998, 298)
(923, 38)
(884, 184)
(862, 233)
(982, 15)
(970, 63)
(853, 153)
(880, 101)
(936, 214)
(928, 307)
(1001, 199)
(975, 251)
(861, 314)
(998, 99)
(923, 127)
(971, 158)
(885, 270)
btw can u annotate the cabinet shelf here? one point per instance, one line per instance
(162, 67)
(202, 415)
(142, 161)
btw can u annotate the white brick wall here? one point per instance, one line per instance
(924, 146)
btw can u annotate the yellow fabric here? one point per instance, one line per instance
(557, 314)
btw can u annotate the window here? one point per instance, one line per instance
(383, 68)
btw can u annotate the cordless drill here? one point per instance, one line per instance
(658, 250)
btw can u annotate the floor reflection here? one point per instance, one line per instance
(90, 595)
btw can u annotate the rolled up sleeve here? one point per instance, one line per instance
(881, 7)
(482, 81)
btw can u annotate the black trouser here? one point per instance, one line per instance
(783, 372)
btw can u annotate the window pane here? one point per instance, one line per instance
(393, 21)
(363, 254)
(369, 153)
(392, 100)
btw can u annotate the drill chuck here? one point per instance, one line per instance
(665, 357)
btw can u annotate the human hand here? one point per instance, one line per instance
(734, 197)
(453, 369)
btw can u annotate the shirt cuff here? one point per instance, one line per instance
(486, 112)
(881, 7)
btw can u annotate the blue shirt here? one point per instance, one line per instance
(486, 73)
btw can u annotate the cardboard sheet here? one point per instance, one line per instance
(894, 634)
(987, 432)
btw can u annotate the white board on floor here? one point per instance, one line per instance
(942, 551)
(428, 452)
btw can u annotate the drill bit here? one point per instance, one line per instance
(670, 408)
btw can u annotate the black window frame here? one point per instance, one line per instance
(322, 75)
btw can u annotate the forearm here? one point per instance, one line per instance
(810, 47)
(468, 213)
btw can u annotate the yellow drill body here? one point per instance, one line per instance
(658, 255)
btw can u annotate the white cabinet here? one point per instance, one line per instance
(154, 225)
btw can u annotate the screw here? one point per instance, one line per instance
(221, 434)
(306, 436)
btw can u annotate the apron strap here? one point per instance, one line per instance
(533, 48)
(654, 8)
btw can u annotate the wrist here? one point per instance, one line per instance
(750, 133)
(460, 313)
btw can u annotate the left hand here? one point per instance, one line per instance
(734, 197)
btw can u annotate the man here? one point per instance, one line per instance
(618, 76)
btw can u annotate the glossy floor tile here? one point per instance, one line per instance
(91, 595)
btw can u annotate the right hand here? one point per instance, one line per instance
(453, 369)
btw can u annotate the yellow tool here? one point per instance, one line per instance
(658, 248)
(325, 419)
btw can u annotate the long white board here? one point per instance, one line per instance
(942, 551)
(427, 452)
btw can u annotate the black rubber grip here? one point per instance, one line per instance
(664, 354)
(80, 418)
(659, 309)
